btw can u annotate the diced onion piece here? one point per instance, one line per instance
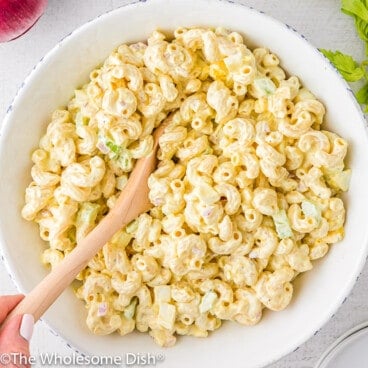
(102, 309)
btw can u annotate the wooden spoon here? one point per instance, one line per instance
(132, 202)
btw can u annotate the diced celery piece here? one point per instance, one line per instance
(207, 301)
(282, 224)
(310, 209)
(129, 311)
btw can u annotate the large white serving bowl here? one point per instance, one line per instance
(318, 293)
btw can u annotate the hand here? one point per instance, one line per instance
(16, 333)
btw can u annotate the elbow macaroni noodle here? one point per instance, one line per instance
(245, 195)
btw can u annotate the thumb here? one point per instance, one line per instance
(16, 334)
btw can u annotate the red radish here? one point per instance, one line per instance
(17, 16)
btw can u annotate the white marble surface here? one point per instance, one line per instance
(319, 20)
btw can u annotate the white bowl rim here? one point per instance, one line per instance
(4, 255)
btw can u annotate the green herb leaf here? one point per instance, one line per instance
(362, 28)
(362, 95)
(358, 9)
(355, 8)
(345, 64)
(113, 147)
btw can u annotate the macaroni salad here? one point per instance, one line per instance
(245, 195)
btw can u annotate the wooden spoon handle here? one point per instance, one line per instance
(132, 201)
(50, 288)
